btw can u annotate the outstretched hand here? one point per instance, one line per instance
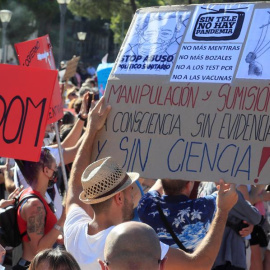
(15, 193)
(227, 196)
(98, 115)
(11, 198)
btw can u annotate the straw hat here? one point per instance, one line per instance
(71, 91)
(104, 178)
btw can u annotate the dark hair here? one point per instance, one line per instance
(30, 170)
(77, 105)
(57, 259)
(68, 118)
(173, 187)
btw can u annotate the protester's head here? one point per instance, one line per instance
(175, 187)
(105, 182)
(90, 82)
(46, 167)
(54, 259)
(72, 93)
(132, 245)
(84, 89)
(68, 118)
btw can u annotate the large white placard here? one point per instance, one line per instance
(196, 120)
(152, 43)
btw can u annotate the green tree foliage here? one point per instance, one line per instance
(29, 16)
(120, 12)
(22, 24)
(45, 11)
(95, 8)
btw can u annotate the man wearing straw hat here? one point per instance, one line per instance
(100, 196)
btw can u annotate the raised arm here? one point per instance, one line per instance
(11, 198)
(205, 254)
(8, 177)
(96, 120)
(73, 141)
(76, 132)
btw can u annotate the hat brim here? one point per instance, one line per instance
(132, 177)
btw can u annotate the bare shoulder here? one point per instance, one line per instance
(34, 215)
(32, 207)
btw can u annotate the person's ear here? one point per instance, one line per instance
(102, 265)
(46, 170)
(119, 198)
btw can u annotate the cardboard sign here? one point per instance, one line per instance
(71, 68)
(38, 53)
(204, 117)
(24, 110)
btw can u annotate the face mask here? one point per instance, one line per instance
(49, 138)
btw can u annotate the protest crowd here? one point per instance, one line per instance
(112, 219)
(75, 213)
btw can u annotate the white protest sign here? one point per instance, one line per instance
(152, 44)
(206, 63)
(255, 62)
(195, 120)
(209, 61)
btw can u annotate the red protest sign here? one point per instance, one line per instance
(38, 53)
(24, 110)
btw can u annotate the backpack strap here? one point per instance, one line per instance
(170, 229)
(24, 199)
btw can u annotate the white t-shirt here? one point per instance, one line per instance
(87, 249)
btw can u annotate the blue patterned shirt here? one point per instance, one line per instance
(190, 219)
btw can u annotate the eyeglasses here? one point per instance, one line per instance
(55, 174)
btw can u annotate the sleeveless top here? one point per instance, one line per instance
(50, 219)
